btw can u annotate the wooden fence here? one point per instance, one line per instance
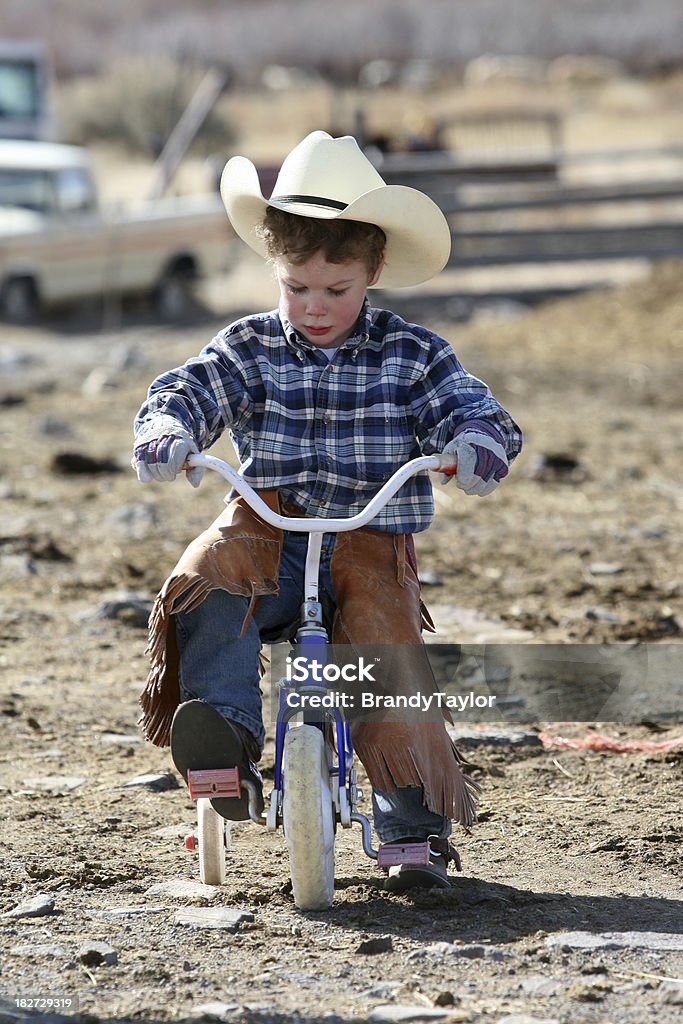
(521, 210)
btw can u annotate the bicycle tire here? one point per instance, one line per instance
(211, 839)
(308, 818)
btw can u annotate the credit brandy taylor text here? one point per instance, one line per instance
(313, 673)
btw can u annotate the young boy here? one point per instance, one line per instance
(324, 398)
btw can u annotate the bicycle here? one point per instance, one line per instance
(315, 783)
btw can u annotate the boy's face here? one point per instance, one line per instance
(322, 300)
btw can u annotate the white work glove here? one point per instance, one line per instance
(162, 458)
(481, 462)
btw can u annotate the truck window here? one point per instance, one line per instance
(30, 189)
(75, 190)
(19, 91)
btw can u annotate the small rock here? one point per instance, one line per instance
(396, 1013)
(97, 954)
(55, 784)
(665, 941)
(671, 993)
(180, 888)
(128, 608)
(593, 992)
(524, 1018)
(213, 917)
(494, 736)
(214, 1011)
(52, 426)
(605, 568)
(380, 944)
(428, 578)
(556, 467)
(445, 999)
(157, 782)
(113, 913)
(540, 985)
(78, 464)
(601, 615)
(39, 906)
(136, 521)
(120, 739)
(39, 949)
(97, 381)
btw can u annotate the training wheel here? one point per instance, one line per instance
(211, 842)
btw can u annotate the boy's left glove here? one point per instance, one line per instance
(481, 462)
(161, 459)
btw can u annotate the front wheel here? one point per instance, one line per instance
(174, 298)
(308, 817)
(19, 300)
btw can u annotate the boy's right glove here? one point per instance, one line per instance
(162, 458)
(481, 462)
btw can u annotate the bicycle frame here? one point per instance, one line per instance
(311, 639)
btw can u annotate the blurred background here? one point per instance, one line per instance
(550, 133)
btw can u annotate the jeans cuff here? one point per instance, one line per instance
(391, 834)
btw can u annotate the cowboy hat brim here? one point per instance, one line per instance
(418, 236)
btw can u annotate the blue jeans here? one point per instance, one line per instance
(219, 666)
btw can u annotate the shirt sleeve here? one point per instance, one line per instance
(200, 399)
(447, 398)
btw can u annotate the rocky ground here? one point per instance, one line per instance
(568, 908)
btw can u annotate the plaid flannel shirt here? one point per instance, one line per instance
(328, 434)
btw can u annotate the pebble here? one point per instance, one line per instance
(397, 1013)
(97, 954)
(213, 917)
(494, 736)
(128, 608)
(601, 615)
(524, 1018)
(605, 569)
(617, 940)
(671, 993)
(184, 889)
(471, 951)
(39, 906)
(540, 985)
(54, 784)
(120, 739)
(117, 912)
(214, 1011)
(38, 949)
(380, 944)
(78, 464)
(137, 521)
(157, 782)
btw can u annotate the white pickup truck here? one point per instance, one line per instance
(57, 246)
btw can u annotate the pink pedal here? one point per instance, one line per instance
(390, 854)
(214, 782)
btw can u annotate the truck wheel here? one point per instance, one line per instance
(174, 297)
(19, 300)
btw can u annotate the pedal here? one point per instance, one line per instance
(214, 782)
(390, 854)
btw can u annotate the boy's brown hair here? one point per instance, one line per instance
(340, 241)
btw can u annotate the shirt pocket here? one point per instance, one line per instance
(380, 439)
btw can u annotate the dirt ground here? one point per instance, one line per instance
(581, 545)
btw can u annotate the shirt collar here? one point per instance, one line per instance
(358, 338)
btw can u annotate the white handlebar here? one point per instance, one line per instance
(375, 505)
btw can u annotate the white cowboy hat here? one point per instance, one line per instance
(332, 179)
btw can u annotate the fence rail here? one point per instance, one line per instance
(471, 201)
